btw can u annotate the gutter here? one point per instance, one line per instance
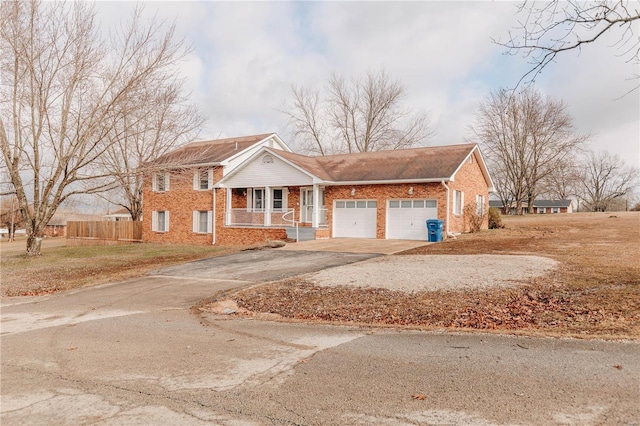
(213, 229)
(449, 234)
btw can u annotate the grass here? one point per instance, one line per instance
(594, 293)
(63, 268)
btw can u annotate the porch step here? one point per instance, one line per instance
(305, 233)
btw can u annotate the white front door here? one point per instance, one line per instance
(355, 218)
(406, 219)
(306, 210)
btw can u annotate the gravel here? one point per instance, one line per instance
(436, 272)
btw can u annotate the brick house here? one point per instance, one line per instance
(385, 195)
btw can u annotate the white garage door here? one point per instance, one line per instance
(406, 219)
(355, 219)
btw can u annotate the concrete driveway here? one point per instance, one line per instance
(133, 353)
(355, 245)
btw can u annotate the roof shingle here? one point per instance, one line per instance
(439, 162)
(209, 152)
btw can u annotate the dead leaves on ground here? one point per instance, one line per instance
(533, 306)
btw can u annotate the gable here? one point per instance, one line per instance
(267, 169)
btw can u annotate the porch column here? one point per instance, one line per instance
(267, 206)
(315, 216)
(227, 207)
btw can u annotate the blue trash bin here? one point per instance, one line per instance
(434, 229)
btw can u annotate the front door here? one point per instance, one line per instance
(307, 205)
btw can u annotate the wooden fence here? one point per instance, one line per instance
(103, 232)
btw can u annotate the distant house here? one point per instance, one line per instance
(118, 216)
(57, 226)
(251, 189)
(539, 206)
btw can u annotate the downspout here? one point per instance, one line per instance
(449, 234)
(213, 230)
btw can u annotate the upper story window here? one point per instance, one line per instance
(267, 159)
(203, 179)
(160, 182)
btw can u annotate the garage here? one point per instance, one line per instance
(406, 219)
(355, 218)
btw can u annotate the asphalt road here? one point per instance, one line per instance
(133, 353)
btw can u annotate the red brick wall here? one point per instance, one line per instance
(380, 193)
(180, 201)
(469, 180)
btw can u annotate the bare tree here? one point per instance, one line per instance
(562, 182)
(552, 28)
(63, 88)
(161, 122)
(525, 138)
(361, 115)
(605, 178)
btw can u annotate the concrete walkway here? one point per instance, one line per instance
(356, 245)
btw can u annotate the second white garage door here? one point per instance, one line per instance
(355, 219)
(406, 219)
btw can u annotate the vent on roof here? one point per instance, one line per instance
(267, 159)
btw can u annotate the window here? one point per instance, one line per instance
(555, 210)
(160, 221)
(202, 179)
(458, 200)
(160, 182)
(480, 205)
(258, 199)
(542, 210)
(277, 199)
(202, 222)
(267, 159)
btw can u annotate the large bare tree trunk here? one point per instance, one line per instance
(64, 92)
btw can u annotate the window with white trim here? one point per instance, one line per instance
(542, 210)
(258, 198)
(458, 201)
(202, 221)
(203, 179)
(160, 182)
(278, 198)
(160, 221)
(555, 209)
(480, 208)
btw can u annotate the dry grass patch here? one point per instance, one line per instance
(63, 268)
(595, 291)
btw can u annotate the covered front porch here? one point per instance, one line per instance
(281, 206)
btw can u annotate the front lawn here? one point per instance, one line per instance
(63, 268)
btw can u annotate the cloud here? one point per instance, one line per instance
(247, 55)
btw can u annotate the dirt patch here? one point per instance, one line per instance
(418, 273)
(594, 291)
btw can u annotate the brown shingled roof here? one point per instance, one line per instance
(438, 162)
(208, 152)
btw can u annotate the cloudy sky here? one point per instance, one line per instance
(247, 55)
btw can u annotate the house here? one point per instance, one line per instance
(57, 225)
(261, 189)
(119, 215)
(539, 206)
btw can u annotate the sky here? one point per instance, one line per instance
(247, 55)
